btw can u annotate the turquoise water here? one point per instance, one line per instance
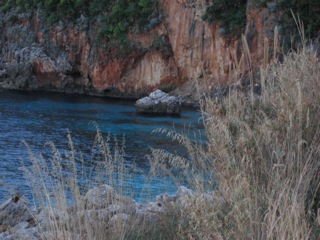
(40, 118)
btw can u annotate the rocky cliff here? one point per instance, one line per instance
(177, 50)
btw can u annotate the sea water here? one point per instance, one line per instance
(39, 118)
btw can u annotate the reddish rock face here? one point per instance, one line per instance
(68, 59)
(134, 75)
(260, 31)
(197, 46)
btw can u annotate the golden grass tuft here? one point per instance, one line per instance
(266, 152)
(263, 154)
(59, 182)
(262, 158)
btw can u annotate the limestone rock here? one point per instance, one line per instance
(159, 103)
(184, 197)
(22, 234)
(165, 198)
(14, 211)
(67, 58)
(104, 208)
(48, 215)
(19, 227)
(100, 197)
(57, 235)
(121, 218)
(3, 73)
(91, 216)
(122, 207)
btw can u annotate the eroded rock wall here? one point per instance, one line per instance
(70, 58)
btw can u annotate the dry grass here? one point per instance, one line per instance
(263, 154)
(267, 153)
(262, 157)
(60, 181)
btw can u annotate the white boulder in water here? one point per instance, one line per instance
(159, 103)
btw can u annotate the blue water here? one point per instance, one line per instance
(39, 118)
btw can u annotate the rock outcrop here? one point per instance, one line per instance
(15, 211)
(100, 206)
(159, 103)
(17, 219)
(69, 57)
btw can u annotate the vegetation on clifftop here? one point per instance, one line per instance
(115, 17)
(231, 15)
(308, 12)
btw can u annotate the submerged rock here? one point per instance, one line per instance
(159, 103)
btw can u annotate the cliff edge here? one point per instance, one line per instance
(177, 52)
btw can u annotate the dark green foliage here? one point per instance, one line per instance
(13, 19)
(54, 10)
(6, 5)
(308, 12)
(124, 15)
(118, 16)
(230, 14)
(161, 43)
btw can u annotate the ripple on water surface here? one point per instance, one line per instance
(40, 118)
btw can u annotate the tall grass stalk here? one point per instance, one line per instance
(264, 156)
(267, 154)
(60, 181)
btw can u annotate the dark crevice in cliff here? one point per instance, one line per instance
(193, 25)
(74, 74)
(167, 36)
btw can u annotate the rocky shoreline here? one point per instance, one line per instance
(19, 220)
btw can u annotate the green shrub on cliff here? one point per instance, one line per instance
(230, 14)
(308, 12)
(124, 15)
(118, 16)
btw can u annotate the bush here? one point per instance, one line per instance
(124, 15)
(118, 16)
(230, 14)
(308, 12)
